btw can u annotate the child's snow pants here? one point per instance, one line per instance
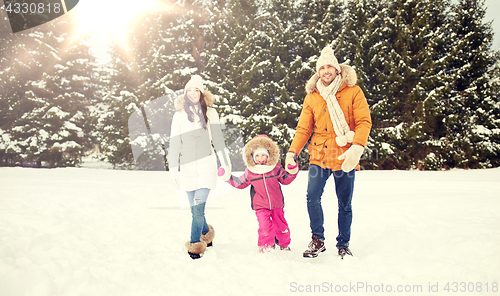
(272, 224)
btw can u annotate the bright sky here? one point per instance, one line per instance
(493, 14)
(110, 19)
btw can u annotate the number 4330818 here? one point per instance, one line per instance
(477, 287)
(32, 8)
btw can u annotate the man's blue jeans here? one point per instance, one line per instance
(344, 186)
(197, 200)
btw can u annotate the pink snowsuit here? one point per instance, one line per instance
(266, 196)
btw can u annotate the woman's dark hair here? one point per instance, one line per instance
(189, 111)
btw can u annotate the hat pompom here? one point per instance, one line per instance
(327, 51)
(197, 78)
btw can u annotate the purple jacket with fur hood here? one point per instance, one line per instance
(265, 180)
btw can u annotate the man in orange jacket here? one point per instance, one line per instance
(335, 109)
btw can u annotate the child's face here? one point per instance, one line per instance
(260, 158)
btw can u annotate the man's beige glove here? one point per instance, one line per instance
(291, 165)
(351, 157)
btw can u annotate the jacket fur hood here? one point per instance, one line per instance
(208, 96)
(347, 73)
(266, 143)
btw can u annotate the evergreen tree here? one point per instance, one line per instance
(239, 21)
(8, 88)
(470, 108)
(361, 41)
(407, 74)
(285, 110)
(47, 97)
(229, 67)
(226, 26)
(117, 105)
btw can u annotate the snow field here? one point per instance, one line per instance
(80, 231)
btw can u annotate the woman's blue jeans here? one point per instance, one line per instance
(344, 186)
(197, 200)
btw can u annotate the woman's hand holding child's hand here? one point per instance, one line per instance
(224, 173)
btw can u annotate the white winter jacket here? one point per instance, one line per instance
(191, 152)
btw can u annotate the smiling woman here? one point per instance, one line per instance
(112, 18)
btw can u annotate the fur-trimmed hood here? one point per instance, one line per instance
(266, 143)
(208, 96)
(348, 75)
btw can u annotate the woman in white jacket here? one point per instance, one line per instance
(191, 158)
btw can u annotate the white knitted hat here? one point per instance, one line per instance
(327, 57)
(260, 150)
(195, 81)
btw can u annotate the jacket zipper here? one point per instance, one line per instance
(267, 191)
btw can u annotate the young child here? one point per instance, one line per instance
(264, 174)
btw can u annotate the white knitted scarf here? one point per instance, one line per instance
(340, 126)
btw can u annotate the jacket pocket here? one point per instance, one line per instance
(317, 148)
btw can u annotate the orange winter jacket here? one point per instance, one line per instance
(315, 120)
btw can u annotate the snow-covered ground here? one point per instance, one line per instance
(84, 231)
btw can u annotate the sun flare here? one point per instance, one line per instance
(112, 18)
